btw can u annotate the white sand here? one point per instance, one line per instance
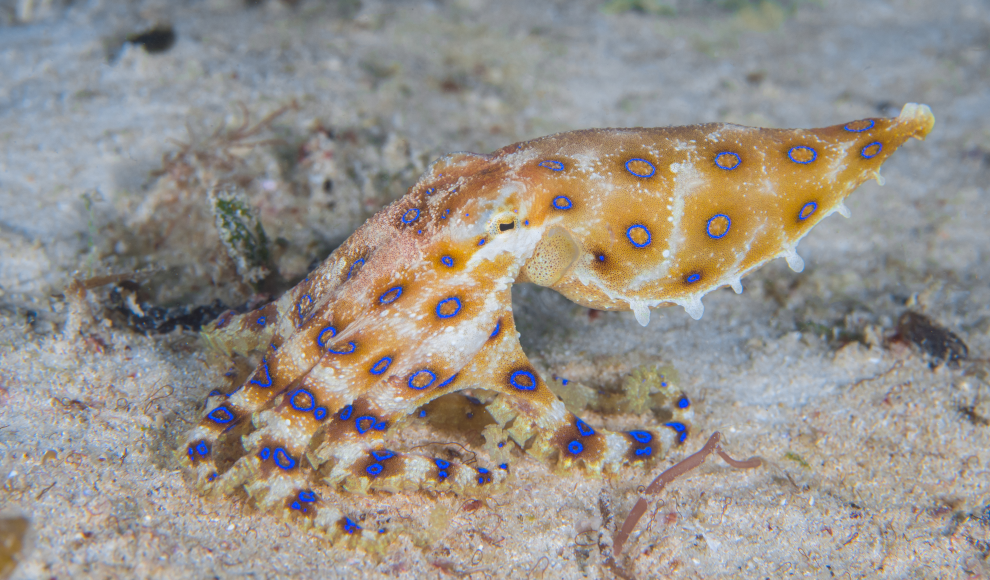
(873, 471)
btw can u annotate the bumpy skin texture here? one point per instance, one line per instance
(416, 304)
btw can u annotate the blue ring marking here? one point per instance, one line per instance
(481, 242)
(380, 426)
(501, 444)
(383, 363)
(649, 237)
(584, 429)
(261, 320)
(564, 381)
(307, 496)
(350, 527)
(807, 210)
(264, 454)
(345, 413)
(374, 469)
(683, 403)
(408, 220)
(552, 165)
(643, 451)
(202, 448)
(679, 428)
(791, 151)
(562, 202)
(866, 128)
(441, 463)
(526, 223)
(283, 459)
(653, 169)
(431, 191)
(362, 429)
(447, 382)
(354, 263)
(412, 379)
(453, 299)
(483, 476)
(351, 349)
(879, 149)
(274, 348)
(503, 466)
(320, 413)
(321, 340)
(442, 475)
(388, 298)
(447, 261)
(641, 436)
(575, 447)
(422, 413)
(297, 506)
(299, 307)
(268, 376)
(727, 160)
(513, 380)
(302, 408)
(212, 476)
(382, 455)
(601, 257)
(692, 278)
(221, 415)
(419, 231)
(498, 327)
(708, 226)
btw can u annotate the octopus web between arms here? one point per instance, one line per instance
(416, 303)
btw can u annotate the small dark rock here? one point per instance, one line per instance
(150, 319)
(756, 77)
(154, 40)
(941, 344)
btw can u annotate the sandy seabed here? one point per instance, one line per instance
(877, 464)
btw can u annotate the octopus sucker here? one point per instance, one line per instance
(416, 304)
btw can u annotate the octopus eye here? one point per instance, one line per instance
(501, 223)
